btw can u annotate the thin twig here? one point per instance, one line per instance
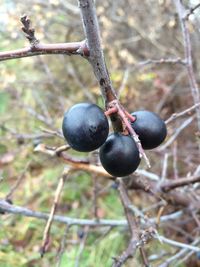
(164, 169)
(46, 237)
(188, 56)
(161, 61)
(185, 124)
(6, 207)
(132, 246)
(124, 82)
(74, 163)
(95, 196)
(62, 247)
(174, 116)
(37, 115)
(175, 160)
(144, 257)
(177, 244)
(172, 184)
(81, 247)
(18, 182)
(178, 255)
(184, 259)
(75, 48)
(164, 186)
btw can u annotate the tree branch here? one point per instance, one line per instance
(132, 182)
(6, 207)
(132, 246)
(14, 209)
(172, 184)
(172, 61)
(96, 57)
(188, 56)
(174, 116)
(76, 48)
(36, 48)
(46, 234)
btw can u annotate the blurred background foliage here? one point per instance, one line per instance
(35, 92)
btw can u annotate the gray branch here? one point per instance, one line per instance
(6, 207)
(75, 48)
(188, 57)
(96, 57)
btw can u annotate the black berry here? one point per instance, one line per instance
(119, 155)
(150, 128)
(85, 127)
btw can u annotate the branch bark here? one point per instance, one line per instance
(76, 48)
(133, 228)
(6, 207)
(172, 184)
(96, 57)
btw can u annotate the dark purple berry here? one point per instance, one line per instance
(150, 128)
(85, 127)
(119, 155)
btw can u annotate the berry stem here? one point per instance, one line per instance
(124, 118)
(128, 115)
(111, 111)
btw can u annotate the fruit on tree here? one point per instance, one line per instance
(85, 127)
(150, 128)
(119, 155)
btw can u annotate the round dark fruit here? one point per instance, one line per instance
(85, 127)
(119, 155)
(150, 128)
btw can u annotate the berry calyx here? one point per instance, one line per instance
(119, 155)
(85, 127)
(150, 128)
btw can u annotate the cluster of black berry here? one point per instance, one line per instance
(86, 128)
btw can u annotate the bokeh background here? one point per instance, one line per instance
(35, 92)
